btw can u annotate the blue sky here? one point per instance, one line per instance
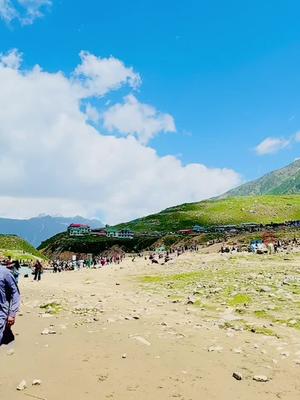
(228, 72)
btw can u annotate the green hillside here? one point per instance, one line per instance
(282, 181)
(14, 246)
(90, 244)
(236, 210)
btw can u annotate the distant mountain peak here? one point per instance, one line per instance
(279, 182)
(37, 229)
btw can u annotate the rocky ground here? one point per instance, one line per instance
(202, 326)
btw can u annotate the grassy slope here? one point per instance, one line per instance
(280, 182)
(17, 248)
(92, 244)
(235, 210)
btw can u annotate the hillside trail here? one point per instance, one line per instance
(108, 337)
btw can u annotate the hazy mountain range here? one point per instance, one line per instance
(37, 229)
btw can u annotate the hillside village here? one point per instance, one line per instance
(76, 230)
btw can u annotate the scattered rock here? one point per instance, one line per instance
(36, 382)
(124, 355)
(265, 289)
(260, 378)
(142, 340)
(191, 300)
(10, 352)
(217, 349)
(285, 354)
(22, 385)
(237, 376)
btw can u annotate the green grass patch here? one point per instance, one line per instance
(240, 299)
(52, 308)
(261, 314)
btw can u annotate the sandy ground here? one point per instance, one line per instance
(116, 338)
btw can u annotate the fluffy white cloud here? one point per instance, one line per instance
(92, 113)
(12, 59)
(97, 76)
(52, 160)
(297, 137)
(271, 146)
(26, 11)
(134, 118)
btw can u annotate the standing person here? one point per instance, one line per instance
(38, 270)
(9, 303)
(16, 270)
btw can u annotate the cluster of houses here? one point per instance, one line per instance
(234, 229)
(125, 233)
(81, 230)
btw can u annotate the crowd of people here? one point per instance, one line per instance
(89, 262)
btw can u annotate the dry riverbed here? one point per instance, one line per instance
(175, 331)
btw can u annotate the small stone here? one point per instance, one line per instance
(237, 376)
(45, 332)
(260, 378)
(124, 355)
(191, 300)
(22, 385)
(217, 349)
(142, 340)
(285, 354)
(10, 352)
(265, 289)
(36, 382)
(237, 351)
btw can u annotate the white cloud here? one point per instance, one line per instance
(53, 161)
(7, 11)
(26, 11)
(11, 59)
(297, 137)
(271, 146)
(134, 118)
(92, 113)
(97, 76)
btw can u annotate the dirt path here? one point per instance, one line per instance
(117, 338)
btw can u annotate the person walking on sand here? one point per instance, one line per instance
(38, 270)
(9, 304)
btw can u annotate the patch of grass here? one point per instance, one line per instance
(260, 330)
(17, 248)
(234, 210)
(52, 308)
(261, 314)
(152, 279)
(240, 299)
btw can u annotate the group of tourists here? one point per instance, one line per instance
(90, 262)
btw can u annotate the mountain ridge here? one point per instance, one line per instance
(282, 181)
(37, 229)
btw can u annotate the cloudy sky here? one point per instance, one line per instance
(118, 109)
